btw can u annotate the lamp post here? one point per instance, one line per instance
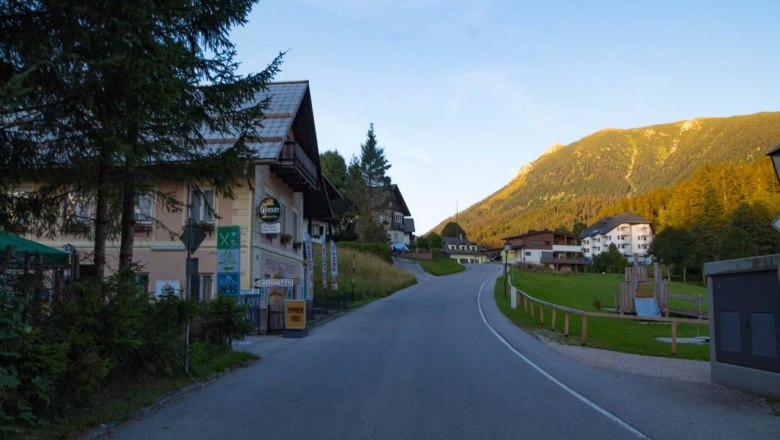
(507, 248)
(775, 155)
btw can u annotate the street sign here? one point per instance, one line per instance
(776, 223)
(228, 260)
(284, 282)
(192, 236)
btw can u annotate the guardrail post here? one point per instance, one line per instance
(584, 339)
(532, 311)
(566, 324)
(674, 337)
(525, 304)
(541, 315)
(553, 319)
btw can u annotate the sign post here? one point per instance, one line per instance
(192, 236)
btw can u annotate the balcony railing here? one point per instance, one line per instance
(296, 168)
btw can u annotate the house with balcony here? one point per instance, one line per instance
(464, 251)
(631, 233)
(555, 250)
(397, 221)
(284, 167)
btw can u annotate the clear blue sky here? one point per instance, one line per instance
(465, 92)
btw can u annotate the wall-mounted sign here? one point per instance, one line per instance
(270, 228)
(283, 282)
(269, 210)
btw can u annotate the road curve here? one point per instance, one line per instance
(439, 361)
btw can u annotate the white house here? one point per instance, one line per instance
(631, 234)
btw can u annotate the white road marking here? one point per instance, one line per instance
(544, 373)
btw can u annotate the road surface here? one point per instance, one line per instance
(438, 361)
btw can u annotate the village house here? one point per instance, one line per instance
(464, 251)
(284, 172)
(555, 250)
(630, 233)
(397, 221)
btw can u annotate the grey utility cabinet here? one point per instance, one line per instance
(744, 312)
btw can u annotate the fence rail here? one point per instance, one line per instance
(530, 303)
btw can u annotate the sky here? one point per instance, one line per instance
(463, 93)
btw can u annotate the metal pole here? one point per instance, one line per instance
(187, 299)
(353, 277)
(506, 257)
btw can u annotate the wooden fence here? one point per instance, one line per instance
(529, 303)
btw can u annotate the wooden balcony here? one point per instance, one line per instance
(296, 169)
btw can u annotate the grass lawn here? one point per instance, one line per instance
(581, 291)
(441, 266)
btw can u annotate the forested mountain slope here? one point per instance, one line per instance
(574, 183)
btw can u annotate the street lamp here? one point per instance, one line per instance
(507, 248)
(775, 155)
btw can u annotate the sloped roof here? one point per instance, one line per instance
(286, 99)
(400, 203)
(607, 224)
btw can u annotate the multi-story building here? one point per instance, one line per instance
(464, 251)
(630, 233)
(285, 169)
(397, 221)
(555, 250)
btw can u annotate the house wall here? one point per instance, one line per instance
(631, 239)
(270, 257)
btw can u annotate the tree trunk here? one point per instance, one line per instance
(128, 223)
(101, 226)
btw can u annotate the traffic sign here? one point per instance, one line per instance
(192, 236)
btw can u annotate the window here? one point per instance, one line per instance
(205, 291)
(143, 209)
(527, 253)
(283, 217)
(200, 202)
(295, 227)
(79, 209)
(142, 281)
(398, 218)
(19, 200)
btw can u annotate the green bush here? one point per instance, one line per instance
(29, 366)
(221, 322)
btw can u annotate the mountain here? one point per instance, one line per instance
(573, 183)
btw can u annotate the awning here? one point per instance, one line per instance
(51, 256)
(400, 247)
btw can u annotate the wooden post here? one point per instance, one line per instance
(584, 339)
(674, 337)
(553, 319)
(541, 315)
(566, 324)
(532, 311)
(525, 304)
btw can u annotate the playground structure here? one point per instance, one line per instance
(638, 295)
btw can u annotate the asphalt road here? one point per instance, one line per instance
(438, 361)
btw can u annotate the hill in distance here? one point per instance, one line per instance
(574, 183)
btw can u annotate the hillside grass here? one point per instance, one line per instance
(441, 265)
(373, 276)
(580, 291)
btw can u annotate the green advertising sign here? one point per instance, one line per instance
(228, 237)
(269, 210)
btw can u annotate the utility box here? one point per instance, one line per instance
(744, 316)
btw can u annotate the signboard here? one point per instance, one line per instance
(284, 282)
(309, 291)
(228, 260)
(167, 287)
(295, 315)
(776, 223)
(334, 266)
(270, 228)
(269, 210)
(324, 265)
